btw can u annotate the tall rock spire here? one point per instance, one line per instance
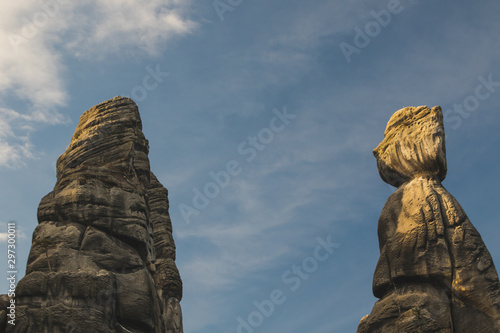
(102, 258)
(434, 273)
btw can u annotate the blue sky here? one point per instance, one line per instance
(220, 77)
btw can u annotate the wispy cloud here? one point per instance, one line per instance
(19, 232)
(14, 148)
(131, 26)
(234, 250)
(38, 37)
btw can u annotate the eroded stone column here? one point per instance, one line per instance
(434, 273)
(102, 258)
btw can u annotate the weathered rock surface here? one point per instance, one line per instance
(4, 303)
(103, 256)
(434, 273)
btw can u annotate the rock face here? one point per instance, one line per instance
(102, 258)
(434, 273)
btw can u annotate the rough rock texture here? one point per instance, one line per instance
(4, 303)
(102, 258)
(434, 273)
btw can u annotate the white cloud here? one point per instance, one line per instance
(131, 25)
(13, 148)
(36, 37)
(4, 235)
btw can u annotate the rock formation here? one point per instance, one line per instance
(434, 273)
(102, 258)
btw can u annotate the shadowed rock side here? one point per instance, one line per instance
(102, 258)
(167, 280)
(434, 273)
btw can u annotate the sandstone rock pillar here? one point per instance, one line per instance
(102, 258)
(434, 274)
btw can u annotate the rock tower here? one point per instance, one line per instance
(434, 273)
(103, 256)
